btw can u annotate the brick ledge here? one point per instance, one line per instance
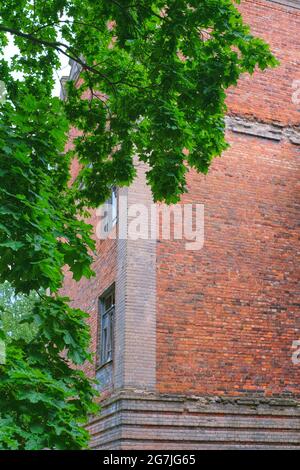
(137, 419)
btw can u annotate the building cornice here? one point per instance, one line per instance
(255, 128)
(287, 3)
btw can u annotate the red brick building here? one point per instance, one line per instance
(197, 348)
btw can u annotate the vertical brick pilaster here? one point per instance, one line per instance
(135, 321)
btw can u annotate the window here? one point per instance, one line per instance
(110, 211)
(107, 309)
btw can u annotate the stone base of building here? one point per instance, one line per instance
(148, 421)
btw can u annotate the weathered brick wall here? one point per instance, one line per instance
(231, 328)
(267, 95)
(85, 294)
(226, 316)
(135, 420)
(135, 320)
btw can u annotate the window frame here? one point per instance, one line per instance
(105, 347)
(110, 208)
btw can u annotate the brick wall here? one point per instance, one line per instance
(267, 95)
(85, 294)
(231, 328)
(242, 284)
(226, 316)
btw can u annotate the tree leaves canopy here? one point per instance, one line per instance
(157, 71)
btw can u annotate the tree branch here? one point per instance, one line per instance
(58, 46)
(68, 52)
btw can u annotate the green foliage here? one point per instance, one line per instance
(41, 409)
(44, 401)
(158, 71)
(38, 215)
(13, 310)
(154, 83)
